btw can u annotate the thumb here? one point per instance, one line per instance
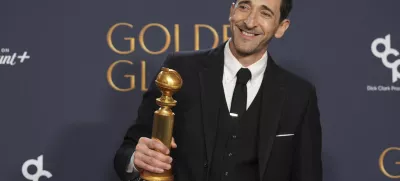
(173, 144)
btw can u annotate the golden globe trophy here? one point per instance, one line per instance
(169, 82)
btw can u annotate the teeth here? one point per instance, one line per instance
(247, 34)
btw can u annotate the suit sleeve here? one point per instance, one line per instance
(141, 128)
(307, 156)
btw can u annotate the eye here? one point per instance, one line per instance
(266, 14)
(243, 7)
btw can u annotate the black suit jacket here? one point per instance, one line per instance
(289, 107)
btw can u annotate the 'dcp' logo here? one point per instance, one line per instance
(383, 55)
(39, 169)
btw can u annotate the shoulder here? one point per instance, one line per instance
(296, 84)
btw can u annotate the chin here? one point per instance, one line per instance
(245, 51)
(243, 48)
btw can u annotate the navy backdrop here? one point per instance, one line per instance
(67, 69)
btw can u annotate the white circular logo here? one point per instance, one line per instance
(39, 169)
(384, 55)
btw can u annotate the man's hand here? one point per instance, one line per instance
(147, 158)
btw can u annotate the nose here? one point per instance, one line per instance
(251, 20)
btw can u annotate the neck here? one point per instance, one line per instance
(246, 59)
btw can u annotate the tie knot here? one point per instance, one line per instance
(243, 75)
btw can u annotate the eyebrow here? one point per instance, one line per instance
(268, 9)
(265, 7)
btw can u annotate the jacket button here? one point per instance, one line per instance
(205, 164)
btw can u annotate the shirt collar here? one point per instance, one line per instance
(232, 65)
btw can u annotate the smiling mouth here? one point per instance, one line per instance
(248, 34)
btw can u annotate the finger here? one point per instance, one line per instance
(144, 140)
(173, 144)
(140, 164)
(159, 156)
(142, 148)
(153, 162)
(157, 145)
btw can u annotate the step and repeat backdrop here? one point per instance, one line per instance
(72, 74)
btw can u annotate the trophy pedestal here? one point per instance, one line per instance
(166, 176)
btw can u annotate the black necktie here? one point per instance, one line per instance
(239, 99)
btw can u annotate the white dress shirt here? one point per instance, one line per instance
(231, 67)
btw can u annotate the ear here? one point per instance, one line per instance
(283, 26)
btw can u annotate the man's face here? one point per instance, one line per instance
(254, 23)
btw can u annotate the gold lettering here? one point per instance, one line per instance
(382, 166)
(167, 36)
(197, 35)
(144, 88)
(111, 82)
(225, 32)
(111, 45)
(176, 37)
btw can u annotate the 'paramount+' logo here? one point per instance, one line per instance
(384, 55)
(12, 58)
(39, 169)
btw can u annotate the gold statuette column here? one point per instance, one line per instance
(169, 82)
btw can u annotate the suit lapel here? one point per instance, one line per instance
(272, 101)
(211, 85)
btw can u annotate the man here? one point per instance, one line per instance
(239, 116)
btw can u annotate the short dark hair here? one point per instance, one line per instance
(286, 7)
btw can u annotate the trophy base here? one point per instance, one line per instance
(166, 176)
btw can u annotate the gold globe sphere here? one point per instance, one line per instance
(168, 81)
